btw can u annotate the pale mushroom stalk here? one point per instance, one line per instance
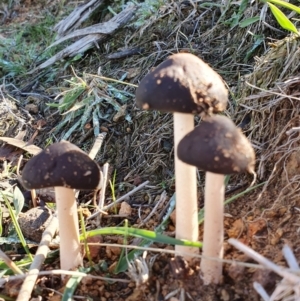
(213, 227)
(219, 148)
(65, 167)
(186, 195)
(183, 85)
(70, 255)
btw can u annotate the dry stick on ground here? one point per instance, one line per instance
(89, 40)
(66, 273)
(102, 192)
(10, 263)
(97, 145)
(154, 210)
(120, 199)
(290, 281)
(76, 17)
(39, 258)
(104, 185)
(94, 151)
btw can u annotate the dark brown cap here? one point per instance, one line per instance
(183, 83)
(61, 164)
(218, 146)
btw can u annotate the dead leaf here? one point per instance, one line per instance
(236, 229)
(9, 153)
(256, 226)
(32, 149)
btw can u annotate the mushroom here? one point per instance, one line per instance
(184, 85)
(65, 167)
(218, 147)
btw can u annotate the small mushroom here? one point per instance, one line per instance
(185, 85)
(218, 147)
(65, 167)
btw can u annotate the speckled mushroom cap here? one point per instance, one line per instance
(183, 83)
(61, 164)
(218, 146)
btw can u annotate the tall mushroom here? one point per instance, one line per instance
(65, 167)
(218, 147)
(184, 85)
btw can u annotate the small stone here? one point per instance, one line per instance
(173, 217)
(93, 293)
(113, 250)
(132, 72)
(125, 209)
(120, 114)
(32, 108)
(95, 246)
(224, 295)
(112, 267)
(104, 129)
(34, 221)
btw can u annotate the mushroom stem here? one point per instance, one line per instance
(186, 189)
(70, 255)
(211, 270)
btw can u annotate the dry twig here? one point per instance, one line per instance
(75, 19)
(90, 40)
(39, 258)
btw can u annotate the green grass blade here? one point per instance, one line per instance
(123, 262)
(17, 226)
(71, 287)
(96, 123)
(64, 122)
(246, 22)
(20, 263)
(86, 115)
(70, 98)
(258, 41)
(19, 200)
(282, 19)
(286, 5)
(146, 234)
(83, 230)
(124, 251)
(71, 130)
(6, 298)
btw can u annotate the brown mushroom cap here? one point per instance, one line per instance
(61, 164)
(218, 146)
(183, 83)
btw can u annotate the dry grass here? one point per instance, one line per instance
(269, 100)
(144, 147)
